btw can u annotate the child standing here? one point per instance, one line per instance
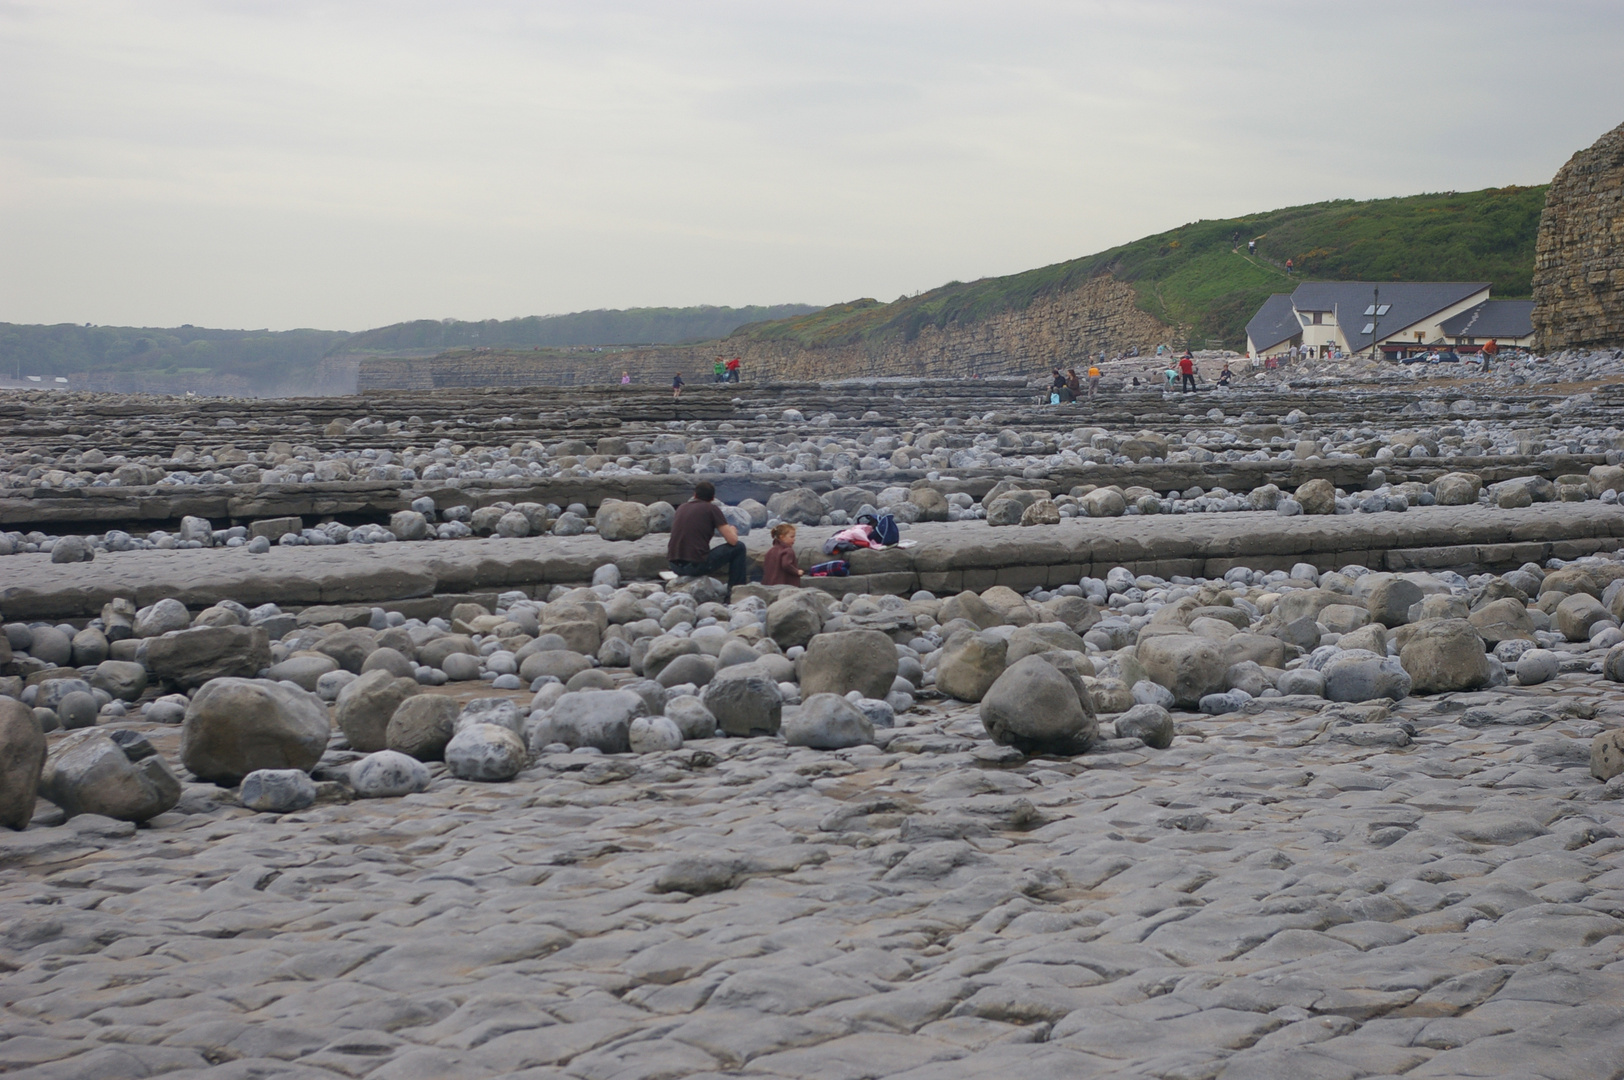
(779, 567)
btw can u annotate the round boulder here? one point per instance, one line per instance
(617, 520)
(1038, 708)
(828, 722)
(1318, 496)
(1443, 656)
(970, 664)
(693, 720)
(365, 707)
(695, 668)
(1356, 675)
(422, 725)
(388, 774)
(651, 734)
(22, 756)
(1190, 666)
(234, 726)
(561, 664)
(847, 660)
(794, 619)
(485, 752)
(277, 791)
(745, 701)
(597, 718)
(1151, 724)
(1537, 666)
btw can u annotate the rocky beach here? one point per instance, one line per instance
(1271, 731)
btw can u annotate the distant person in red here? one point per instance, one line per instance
(1187, 371)
(780, 567)
(733, 370)
(689, 550)
(1289, 266)
(1490, 349)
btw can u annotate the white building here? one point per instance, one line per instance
(1397, 317)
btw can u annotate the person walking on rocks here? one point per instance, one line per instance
(676, 387)
(1093, 382)
(1187, 371)
(780, 567)
(733, 370)
(625, 378)
(689, 550)
(719, 370)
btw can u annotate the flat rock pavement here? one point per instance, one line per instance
(1304, 891)
(947, 557)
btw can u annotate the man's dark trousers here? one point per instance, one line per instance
(1189, 382)
(732, 556)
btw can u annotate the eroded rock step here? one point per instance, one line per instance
(947, 557)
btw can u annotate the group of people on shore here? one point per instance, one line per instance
(723, 370)
(1067, 386)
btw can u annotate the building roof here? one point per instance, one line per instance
(1493, 319)
(1275, 321)
(1408, 302)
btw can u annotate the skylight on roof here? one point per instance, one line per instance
(1369, 327)
(1372, 309)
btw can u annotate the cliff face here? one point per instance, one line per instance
(1063, 330)
(1579, 259)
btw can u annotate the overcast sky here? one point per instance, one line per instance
(277, 163)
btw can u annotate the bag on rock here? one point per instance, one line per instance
(883, 529)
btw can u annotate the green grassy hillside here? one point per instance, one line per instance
(1200, 276)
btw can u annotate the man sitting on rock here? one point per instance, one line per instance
(689, 551)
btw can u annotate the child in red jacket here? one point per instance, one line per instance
(779, 566)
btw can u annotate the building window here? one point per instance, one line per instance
(1319, 317)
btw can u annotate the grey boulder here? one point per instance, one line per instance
(1445, 655)
(600, 719)
(388, 774)
(122, 679)
(1191, 667)
(277, 791)
(22, 756)
(651, 734)
(161, 618)
(1151, 724)
(485, 752)
(745, 701)
(193, 657)
(828, 722)
(693, 720)
(970, 664)
(89, 773)
(847, 660)
(1356, 675)
(1039, 708)
(235, 726)
(794, 619)
(422, 725)
(365, 707)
